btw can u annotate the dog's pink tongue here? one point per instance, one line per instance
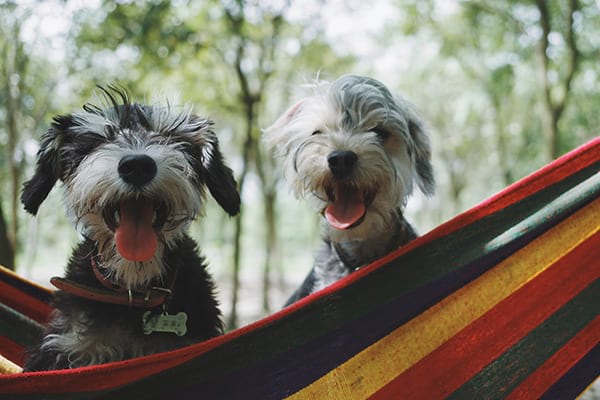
(135, 237)
(348, 207)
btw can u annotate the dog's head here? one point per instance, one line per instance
(134, 175)
(354, 148)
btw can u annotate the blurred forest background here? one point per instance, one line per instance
(506, 86)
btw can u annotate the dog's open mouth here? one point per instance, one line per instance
(347, 206)
(135, 222)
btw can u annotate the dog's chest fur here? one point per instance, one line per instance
(335, 260)
(83, 332)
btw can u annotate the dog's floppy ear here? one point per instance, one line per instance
(422, 155)
(219, 177)
(273, 136)
(47, 171)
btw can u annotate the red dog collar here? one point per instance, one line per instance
(115, 294)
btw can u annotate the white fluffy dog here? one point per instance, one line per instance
(356, 151)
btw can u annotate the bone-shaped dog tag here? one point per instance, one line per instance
(171, 323)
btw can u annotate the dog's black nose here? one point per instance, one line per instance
(341, 163)
(137, 169)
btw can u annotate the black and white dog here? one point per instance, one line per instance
(356, 152)
(134, 177)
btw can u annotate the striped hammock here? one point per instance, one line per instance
(502, 301)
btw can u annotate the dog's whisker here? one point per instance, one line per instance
(320, 197)
(296, 153)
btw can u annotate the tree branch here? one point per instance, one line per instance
(543, 49)
(573, 58)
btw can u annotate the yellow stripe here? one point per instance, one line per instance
(377, 365)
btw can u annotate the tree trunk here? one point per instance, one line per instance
(235, 278)
(503, 151)
(554, 107)
(14, 70)
(270, 247)
(13, 165)
(232, 321)
(250, 98)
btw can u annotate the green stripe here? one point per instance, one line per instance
(19, 328)
(502, 376)
(575, 197)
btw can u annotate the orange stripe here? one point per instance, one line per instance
(445, 369)
(557, 365)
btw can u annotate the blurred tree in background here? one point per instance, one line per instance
(505, 86)
(25, 91)
(508, 86)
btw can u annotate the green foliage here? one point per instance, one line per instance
(488, 53)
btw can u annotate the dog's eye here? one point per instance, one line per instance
(381, 133)
(317, 132)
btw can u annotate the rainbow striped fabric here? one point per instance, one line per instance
(502, 301)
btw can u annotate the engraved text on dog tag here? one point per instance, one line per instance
(172, 323)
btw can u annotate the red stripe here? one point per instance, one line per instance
(557, 365)
(24, 303)
(12, 350)
(445, 369)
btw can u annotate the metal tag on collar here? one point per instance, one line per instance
(165, 322)
(165, 292)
